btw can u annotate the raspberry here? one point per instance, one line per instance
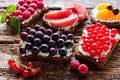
(34, 1)
(74, 64)
(26, 14)
(25, 74)
(22, 8)
(101, 59)
(9, 16)
(28, 1)
(40, 4)
(20, 17)
(21, 2)
(33, 5)
(31, 10)
(83, 69)
(26, 5)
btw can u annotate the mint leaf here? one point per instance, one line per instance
(3, 17)
(15, 25)
(11, 8)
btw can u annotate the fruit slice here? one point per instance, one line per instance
(102, 6)
(65, 22)
(118, 17)
(77, 8)
(105, 15)
(58, 14)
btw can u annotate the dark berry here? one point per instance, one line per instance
(63, 36)
(35, 50)
(109, 7)
(28, 29)
(60, 43)
(22, 50)
(37, 42)
(36, 27)
(115, 11)
(55, 36)
(28, 45)
(23, 36)
(70, 36)
(62, 51)
(68, 44)
(39, 34)
(48, 32)
(59, 32)
(44, 48)
(42, 29)
(32, 31)
(30, 38)
(52, 51)
(46, 38)
(51, 43)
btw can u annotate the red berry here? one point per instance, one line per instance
(22, 8)
(88, 44)
(89, 49)
(101, 59)
(26, 14)
(9, 16)
(112, 35)
(29, 64)
(106, 47)
(115, 31)
(99, 25)
(13, 65)
(84, 47)
(33, 5)
(17, 5)
(34, 1)
(83, 37)
(33, 72)
(28, 1)
(94, 46)
(107, 38)
(31, 10)
(26, 5)
(21, 2)
(40, 4)
(18, 69)
(39, 70)
(83, 69)
(93, 53)
(74, 64)
(17, 12)
(98, 52)
(113, 40)
(25, 74)
(10, 61)
(20, 17)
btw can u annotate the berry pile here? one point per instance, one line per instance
(40, 40)
(76, 66)
(26, 8)
(98, 39)
(25, 70)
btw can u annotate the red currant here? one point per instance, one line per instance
(29, 64)
(10, 61)
(106, 47)
(25, 74)
(115, 31)
(94, 46)
(18, 69)
(39, 70)
(33, 72)
(113, 40)
(93, 53)
(99, 52)
(13, 65)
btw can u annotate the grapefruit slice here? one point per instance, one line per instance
(77, 8)
(58, 14)
(65, 22)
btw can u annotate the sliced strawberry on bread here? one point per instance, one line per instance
(66, 19)
(97, 43)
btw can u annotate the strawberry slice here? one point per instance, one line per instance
(65, 22)
(77, 8)
(58, 14)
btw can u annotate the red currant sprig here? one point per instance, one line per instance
(25, 70)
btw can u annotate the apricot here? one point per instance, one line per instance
(102, 6)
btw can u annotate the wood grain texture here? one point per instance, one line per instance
(111, 71)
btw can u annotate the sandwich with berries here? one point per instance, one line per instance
(106, 14)
(67, 19)
(45, 44)
(97, 43)
(27, 11)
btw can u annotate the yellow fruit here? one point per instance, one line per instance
(118, 17)
(102, 6)
(105, 15)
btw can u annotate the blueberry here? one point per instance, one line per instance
(28, 29)
(46, 38)
(36, 27)
(22, 50)
(115, 11)
(44, 48)
(68, 44)
(60, 43)
(32, 31)
(28, 45)
(59, 32)
(30, 38)
(70, 36)
(55, 36)
(109, 7)
(37, 42)
(62, 51)
(42, 29)
(35, 50)
(23, 36)
(51, 43)
(63, 36)
(48, 31)
(39, 34)
(52, 51)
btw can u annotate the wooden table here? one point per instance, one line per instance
(111, 70)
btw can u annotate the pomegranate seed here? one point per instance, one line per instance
(25, 74)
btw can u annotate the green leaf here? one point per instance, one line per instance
(3, 17)
(15, 25)
(11, 8)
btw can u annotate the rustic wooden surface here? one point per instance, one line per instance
(111, 71)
